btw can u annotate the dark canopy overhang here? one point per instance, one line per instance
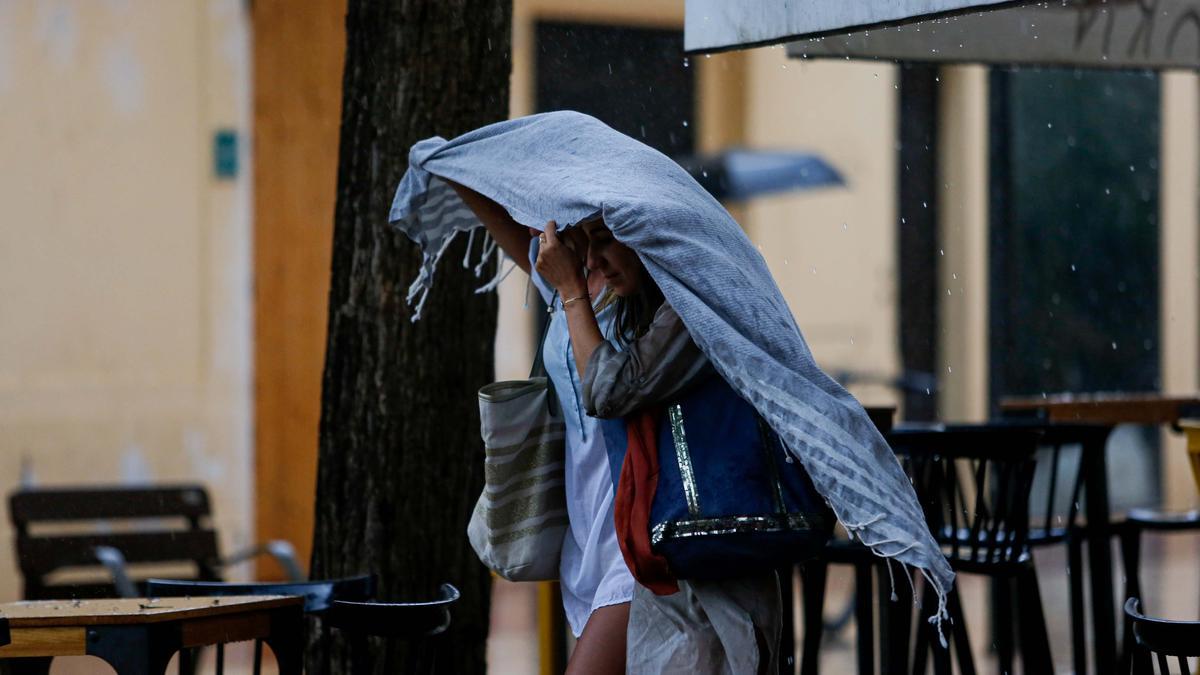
(1084, 33)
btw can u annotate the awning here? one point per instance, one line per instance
(1087, 33)
(715, 25)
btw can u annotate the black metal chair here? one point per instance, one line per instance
(410, 621)
(974, 483)
(395, 619)
(1136, 522)
(1159, 641)
(5, 635)
(319, 596)
(1055, 516)
(1054, 520)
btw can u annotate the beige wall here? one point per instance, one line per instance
(832, 250)
(124, 265)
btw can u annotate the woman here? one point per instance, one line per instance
(705, 627)
(596, 584)
(573, 167)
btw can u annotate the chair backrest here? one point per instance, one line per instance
(61, 528)
(1159, 642)
(395, 619)
(1057, 489)
(973, 483)
(318, 594)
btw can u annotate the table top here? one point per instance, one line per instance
(47, 613)
(1109, 407)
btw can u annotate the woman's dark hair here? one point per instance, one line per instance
(633, 314)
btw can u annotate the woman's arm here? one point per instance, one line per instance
(511, 235)
(561, 266)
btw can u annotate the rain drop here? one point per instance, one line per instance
(685, 62)
(1049, 125)
(685, 123)
(1114, 346)
(1072, 268)
(949, 370)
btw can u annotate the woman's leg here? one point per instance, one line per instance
(601, 647)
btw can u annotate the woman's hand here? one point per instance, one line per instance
(560, 265)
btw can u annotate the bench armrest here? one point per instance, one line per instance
(282, 551)
(114, 562)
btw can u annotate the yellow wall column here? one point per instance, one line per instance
(963, 229)
(1179, 242)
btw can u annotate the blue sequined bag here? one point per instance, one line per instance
(730, 499)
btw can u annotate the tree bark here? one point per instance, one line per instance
(400, 459)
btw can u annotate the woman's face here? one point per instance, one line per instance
(616, 262)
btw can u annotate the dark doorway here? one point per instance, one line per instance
(1074, 238)
(918, 239)
(636, 80)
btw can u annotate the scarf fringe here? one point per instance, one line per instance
(418, 291)
(876, 547)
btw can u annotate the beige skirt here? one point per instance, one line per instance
(707, 628)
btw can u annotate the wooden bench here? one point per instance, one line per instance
(102, 530)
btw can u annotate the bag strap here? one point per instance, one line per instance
(539, 366)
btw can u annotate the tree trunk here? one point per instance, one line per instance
(400, 461)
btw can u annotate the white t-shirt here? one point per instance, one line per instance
(592, 573)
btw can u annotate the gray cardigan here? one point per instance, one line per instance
(653, 368)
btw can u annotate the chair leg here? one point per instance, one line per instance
(958, 633)
(787, 636)
(32, 665)
(921, 645)
(813, 576)
(895, 626)
(1131, 545)
(864, 617)
(1035, 642)
(1002, 622)
(1075, 574)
